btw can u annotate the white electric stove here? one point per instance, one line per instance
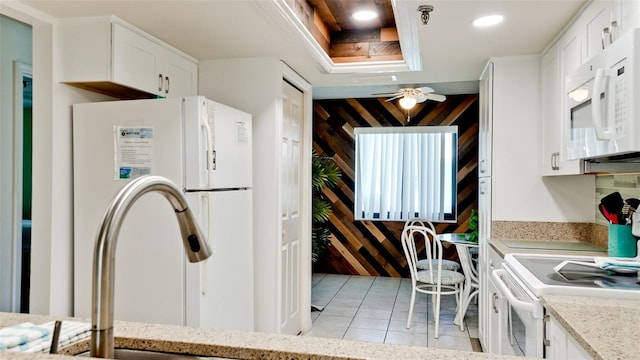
(526, 277)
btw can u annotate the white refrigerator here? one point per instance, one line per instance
(202, 146)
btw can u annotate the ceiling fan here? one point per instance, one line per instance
(410, 96)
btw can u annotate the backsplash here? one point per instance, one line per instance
(628, 185)
(550, 231)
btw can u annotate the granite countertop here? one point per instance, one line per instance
(605, 328)
(240, 345)
(552, 247)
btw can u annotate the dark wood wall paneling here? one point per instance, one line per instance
(373, 247)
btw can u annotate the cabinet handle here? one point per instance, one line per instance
(554, 161)
(494, 299)
(483, 166)
(160, 82)
(614, 31)
(166, 90)
(545, 340)
(605, 33)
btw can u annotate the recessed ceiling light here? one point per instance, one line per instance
(488, 20)
(365, 15)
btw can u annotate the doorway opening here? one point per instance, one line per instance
(22, 185)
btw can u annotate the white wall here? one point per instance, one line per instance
(15, 38)
(52, 246)
(519, 191)
(255, 86)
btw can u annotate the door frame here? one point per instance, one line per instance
(304, 294)
(20, 71)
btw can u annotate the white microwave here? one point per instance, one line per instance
(603, 102)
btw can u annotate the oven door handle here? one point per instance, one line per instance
(515, 303)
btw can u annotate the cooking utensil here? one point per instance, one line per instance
(612, 218)
(613, 204)
(629, 207)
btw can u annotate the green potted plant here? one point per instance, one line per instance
(473, 226)
(324, 174)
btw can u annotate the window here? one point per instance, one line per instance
(406, 172)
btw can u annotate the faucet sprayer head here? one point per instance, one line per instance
(194, 241)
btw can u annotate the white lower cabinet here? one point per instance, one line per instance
(497, 307)
(559, 345)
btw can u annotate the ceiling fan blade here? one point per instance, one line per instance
(387, 94)
(421, 99)
(393, 98)
(436, 97)
(425, 89)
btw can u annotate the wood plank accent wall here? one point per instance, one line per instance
(373, 247)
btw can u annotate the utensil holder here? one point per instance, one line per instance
(622, 243)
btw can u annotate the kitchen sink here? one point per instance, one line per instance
(129, 354)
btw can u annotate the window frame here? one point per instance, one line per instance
(361, 214)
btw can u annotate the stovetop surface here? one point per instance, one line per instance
(579, 276)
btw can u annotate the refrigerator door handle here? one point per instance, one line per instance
(210, 151)
(205, 215)
(203, 278)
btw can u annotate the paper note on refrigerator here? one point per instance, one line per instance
(133, 151)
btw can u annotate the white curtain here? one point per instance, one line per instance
(405, 172)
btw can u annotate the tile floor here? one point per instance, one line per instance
(375, 309)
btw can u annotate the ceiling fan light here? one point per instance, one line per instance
(365, 15)
(408, 102)
(488, 20)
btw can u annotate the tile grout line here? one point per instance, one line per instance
(386, 333)
(358, 309)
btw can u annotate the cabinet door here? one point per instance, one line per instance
(485, 122)
(484, 231)
(594, 20)
(627, 14)
(569, 59)
(551, 114)
(575, 351)
(495, 301)
(135, 61)
(561, 345)
(179, 74)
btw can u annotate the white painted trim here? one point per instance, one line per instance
(296, 80)
(24, 13)
(405, 23)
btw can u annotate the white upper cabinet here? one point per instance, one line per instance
(627, 13)
(604, 21)
(598, 26)
(485, 127)
(109, 56)
(559, 61)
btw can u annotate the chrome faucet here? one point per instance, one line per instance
(195, 245)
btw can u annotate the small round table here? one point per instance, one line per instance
(471, 287)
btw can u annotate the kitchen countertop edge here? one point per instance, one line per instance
(241, 345)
